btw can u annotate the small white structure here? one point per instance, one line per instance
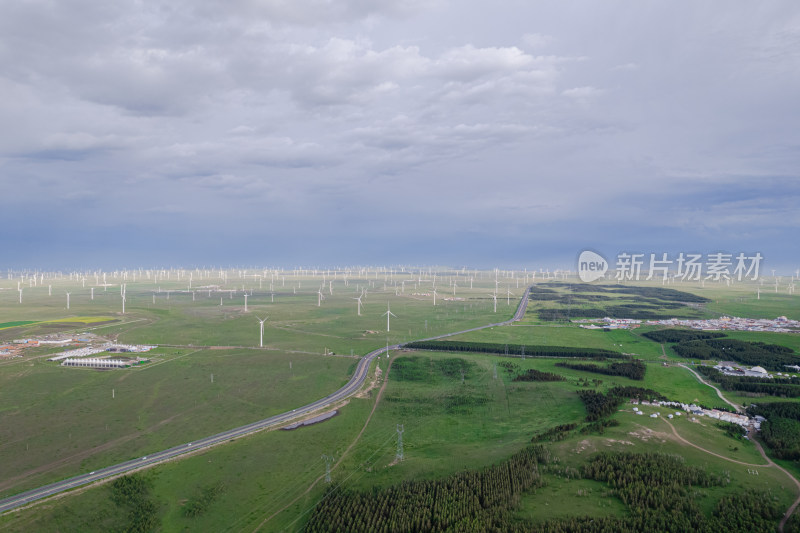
(79, 352)
(654, 415)
(94, 362)
(669, 416)
(635, 409)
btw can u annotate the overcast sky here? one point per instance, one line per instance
(330, 132)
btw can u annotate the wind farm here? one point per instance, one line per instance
(314, 365)
(255, 255)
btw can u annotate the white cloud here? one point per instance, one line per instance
(228, 104)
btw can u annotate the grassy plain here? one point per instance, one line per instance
(449, 423)
(58, 422)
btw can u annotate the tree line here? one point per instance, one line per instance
(646, 293)
(660, 493)
(681, 335)
(537, 375)
(781, 429)
(788, 388)
(659, 490)
(515, 350)
(636, 311)
(599, 405)
(630, 369)
(470, 501)
(770, 356)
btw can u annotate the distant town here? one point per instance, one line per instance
(725, 323)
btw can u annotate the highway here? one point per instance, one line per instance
(348, 390)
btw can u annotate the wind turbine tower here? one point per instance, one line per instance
(388, 314)
(261, 323)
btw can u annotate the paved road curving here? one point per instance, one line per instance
(752, 436)
(719, 393)
(352, 386)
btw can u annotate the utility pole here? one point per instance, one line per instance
(399, 455)
(328, 462)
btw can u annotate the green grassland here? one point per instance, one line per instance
(444, 432)
(452, 421)
(58, 422)
(621, 340)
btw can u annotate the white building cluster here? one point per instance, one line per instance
(96, 362)
(730, 368)
(108, 347)
(777, 325)
(611, 323)
(79, 352)
(693, 409)
(130, 348)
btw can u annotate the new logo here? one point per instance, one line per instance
(591, 266)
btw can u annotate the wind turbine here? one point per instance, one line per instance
(434, 296)
(245, 302)
(508, 296)
(123, 303)
(494, 296)
(359, 305)
(388, 314)
(67, 300)
(319, 298)
(261, 322)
